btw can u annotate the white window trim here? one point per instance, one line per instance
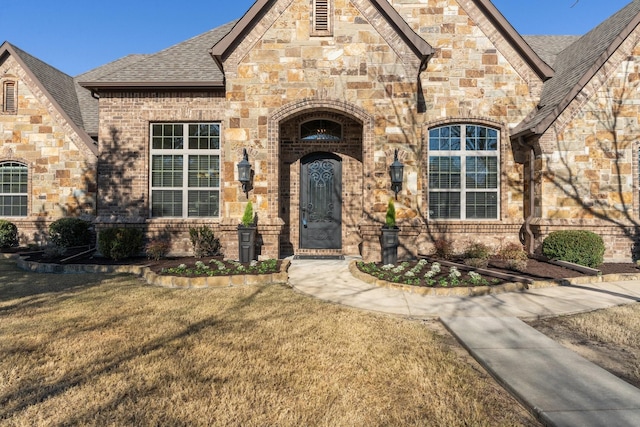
(463, 153)
(26, 194)
(185, 152)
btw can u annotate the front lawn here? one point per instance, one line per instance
(110, 350)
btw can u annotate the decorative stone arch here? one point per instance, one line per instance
(286, 151)
(313, 105)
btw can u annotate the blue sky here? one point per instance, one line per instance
(78, 35)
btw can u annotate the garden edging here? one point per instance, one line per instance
(282, 277)
(488, 290)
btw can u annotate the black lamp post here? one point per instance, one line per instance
(396, 170)
(244, 172)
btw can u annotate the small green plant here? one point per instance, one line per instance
(247, 217)
(119, 242)
(204, 242)
(70, 232)
(578, 246)
(8, 234)
(390, 218)
(157, 249)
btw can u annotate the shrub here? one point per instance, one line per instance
(157, 249)
(477, 250)
(247, 217)
(578, 246)
(70, 232)
(118, 243)
(515, 256)
(443, 248)
(390, 218)
(204, 242)
(8, 234)
(476, 262)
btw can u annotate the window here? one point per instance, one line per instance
(185, 170)
(13, 189)
(321, 130)
(463, 172)
(9, 102)
(321, 18)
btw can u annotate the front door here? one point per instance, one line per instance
(321, 202)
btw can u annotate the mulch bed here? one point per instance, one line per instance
(536, 269)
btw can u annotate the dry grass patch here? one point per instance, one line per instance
(108, 350)
(606, 337)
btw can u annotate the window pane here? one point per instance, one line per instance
(444, 172)
(167, 137)
(204, 171)
(203, 203)
(13, 189)
(444, 205)
(482, 205)
(204, 136)
(445, 138)
(166, 203)
(482, 172)
(166, 171)
(481, 138)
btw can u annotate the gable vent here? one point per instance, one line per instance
(9, 98)
(321, 17)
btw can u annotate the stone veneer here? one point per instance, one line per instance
(366, 77)
(589, 159)
(61, 168)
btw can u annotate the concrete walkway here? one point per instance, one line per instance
(560, 387)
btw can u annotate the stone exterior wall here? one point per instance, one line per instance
(367, 74)
(61, 169)
(589, 166)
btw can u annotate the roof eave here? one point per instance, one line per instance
(216, 84)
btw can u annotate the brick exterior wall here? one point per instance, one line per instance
(61, 169)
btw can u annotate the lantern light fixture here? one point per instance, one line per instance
(244, 172)
(396, 170)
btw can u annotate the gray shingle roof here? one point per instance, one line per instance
(59, 88)
(89, 104)
(185, 64)
(576, 65)
(548, 47)
(59, 85)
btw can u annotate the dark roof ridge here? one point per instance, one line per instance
(578, 64)
(540, 67)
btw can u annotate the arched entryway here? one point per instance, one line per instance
(320, 178)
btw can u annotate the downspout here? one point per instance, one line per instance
(526, 227)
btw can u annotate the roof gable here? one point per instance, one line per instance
(58, 87)
(578, 64)
(225, 46)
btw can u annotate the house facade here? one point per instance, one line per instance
(47, 155)
(503, 138)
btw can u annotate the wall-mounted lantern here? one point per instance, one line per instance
(244, 172)
(396, 170)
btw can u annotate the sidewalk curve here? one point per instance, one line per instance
(558, 386)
